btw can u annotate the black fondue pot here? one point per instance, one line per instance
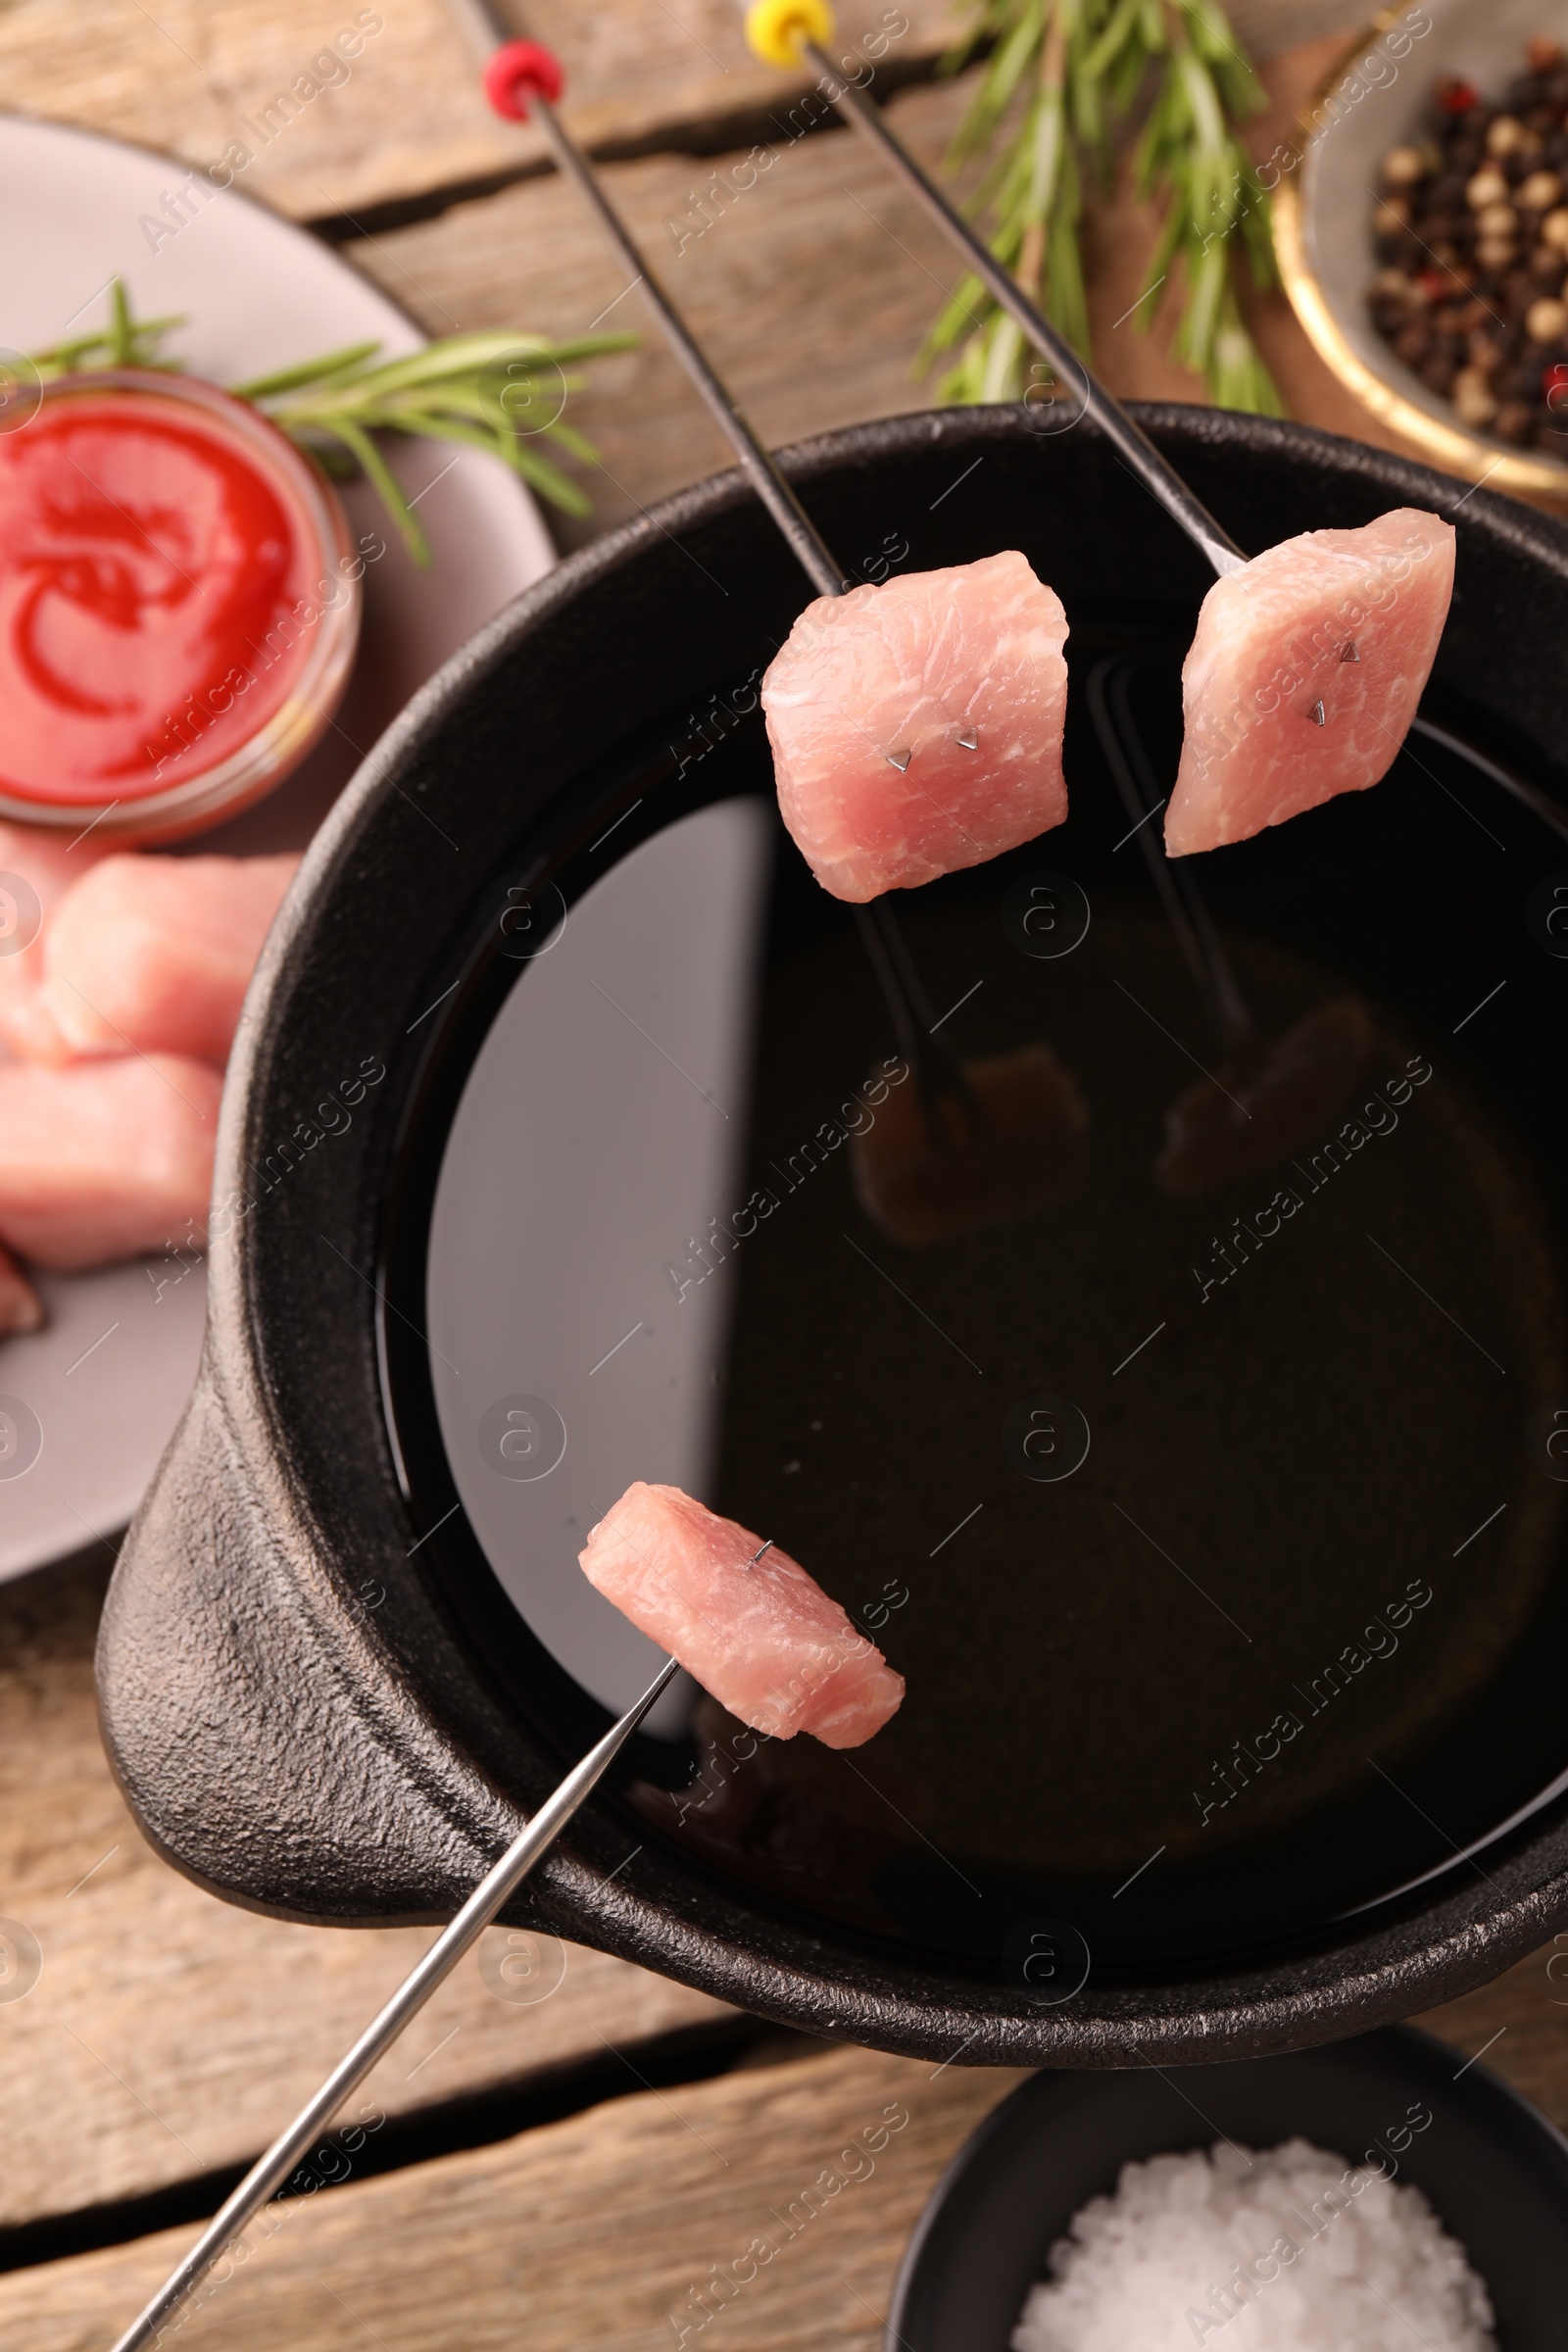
(1219, 1535)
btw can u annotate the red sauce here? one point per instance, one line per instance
(151, 567)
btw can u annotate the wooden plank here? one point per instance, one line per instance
(812, 284)
(594, 2231)
(169, 2034)
(403, 114)
(1518, 2027)
(605, 2229)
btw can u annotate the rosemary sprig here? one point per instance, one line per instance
(497, 392)
(1061, 76)
(126, 342)
(479, 391)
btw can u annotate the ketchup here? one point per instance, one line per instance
(165, 588)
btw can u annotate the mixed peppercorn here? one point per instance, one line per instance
(1471, 235)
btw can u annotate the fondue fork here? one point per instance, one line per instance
(1186, 910)
(273, 2171)
(790, 32)
(522, 81)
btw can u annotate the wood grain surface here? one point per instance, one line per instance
(169, 2034)
(605, 2229)
(812, 282)
(588, 2232)
(403, 114)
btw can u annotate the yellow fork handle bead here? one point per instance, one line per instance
(776, 30)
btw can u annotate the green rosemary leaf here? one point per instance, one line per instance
(1070, 301)
(384, 483)
(537, 470)
(520, 455)
(307, 371)
(963, 315)
(998, 81)
(473, 398)
(1012, 58)
(453, 355)
(122, 335)
(570, 439)
(1064, 80)
(1113, 40)
(126, 342)
(1173, 231)
(479, 389)
(1127, 77)
(1208, 120)
(1260, 241)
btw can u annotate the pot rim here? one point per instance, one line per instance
(667, 1915)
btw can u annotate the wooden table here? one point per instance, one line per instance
(564, 2171)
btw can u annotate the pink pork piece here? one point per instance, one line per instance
(917, 727)
(46, 866)
(21, 1307)
(1306, 673)
(154, 955)
(104, 1159)
(757, 1633)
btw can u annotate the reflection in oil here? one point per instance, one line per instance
(1290, 1448)
(602, 1128)
(1268, 1101)
(1143, 1698)
(1008, 1139)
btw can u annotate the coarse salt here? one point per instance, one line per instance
(1291, 2250)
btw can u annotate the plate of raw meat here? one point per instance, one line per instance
(90, 1106)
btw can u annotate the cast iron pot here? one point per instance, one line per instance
(316, 1695)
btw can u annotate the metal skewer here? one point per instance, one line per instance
(1128, 439)
(523, 80)
(1122, 746)
(288, 2151)
(1150, 466)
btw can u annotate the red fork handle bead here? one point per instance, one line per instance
(520, 72)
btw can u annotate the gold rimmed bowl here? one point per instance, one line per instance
(1328, 183)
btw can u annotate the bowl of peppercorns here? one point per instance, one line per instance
(1422, 227)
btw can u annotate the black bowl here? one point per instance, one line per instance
(1203, 1741)
(1491, 2167)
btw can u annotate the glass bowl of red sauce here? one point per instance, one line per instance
(180, 605)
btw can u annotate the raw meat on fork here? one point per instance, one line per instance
(1305, 674)
(917, 727)
(741, 1617)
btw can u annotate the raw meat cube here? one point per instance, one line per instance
(757, 1633)
(21, 1307)
(917, 727)
(1021, 1145)
(154, 955)
(1305, 674)
(104, 1158)
(47, 867)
